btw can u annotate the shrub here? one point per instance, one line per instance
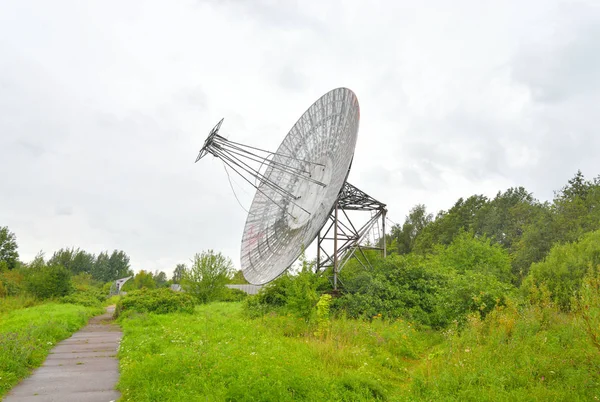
(11, 283)
(160, 301)
(233, 295)
(275, 293)
(144, 279)
(399, 286)
(587, 305)
(295, 294)
(207, 276)
(83, 281)
(48, 281)
(302, 294)
(467, 253)
(323, 307)
(90, 297)
(468, 276)
(469, 293)
(564, 268)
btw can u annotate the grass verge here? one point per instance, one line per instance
(28, 334)
(219, 354)
(516, 353)
(529, 353)
(12, 303)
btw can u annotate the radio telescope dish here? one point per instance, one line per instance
(281, 224)
(297, 187)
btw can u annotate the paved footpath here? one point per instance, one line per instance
(81, 368)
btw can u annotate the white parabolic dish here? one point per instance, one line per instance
(321, 142)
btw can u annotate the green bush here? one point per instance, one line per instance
(275, 293)
(470, 275)
(302, 294)
(587, 306)
(295, 294)
(48, 281)
(11, 283)
(564, 268)
(160, 301)
(207, 277)
(90, 297)
(233, 295)
(398, 287)
(468, 253)
(471, 292)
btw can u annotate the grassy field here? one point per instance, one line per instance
(220, 354)
(28, 334)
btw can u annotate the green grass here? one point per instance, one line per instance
(28, 334)
(219, 354)
(12, 303)
(515, 354)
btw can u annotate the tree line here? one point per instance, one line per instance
(523, 226)
(54, 277)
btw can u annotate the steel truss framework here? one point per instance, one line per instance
(250, 162)
(345, 235)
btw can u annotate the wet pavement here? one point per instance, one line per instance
(81, 368)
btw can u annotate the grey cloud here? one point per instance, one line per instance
(63, 210)
(274, 15)
(291, 79)
(412, 178)
(194, 97)
(35, 150)
(569, 66)
(376, 176)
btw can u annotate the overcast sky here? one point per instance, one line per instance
(105, 104)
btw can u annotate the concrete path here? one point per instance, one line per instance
(81, 368)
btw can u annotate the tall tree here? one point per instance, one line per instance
(83, 262)
(144, 279)
(178, 273)
(101, 269)
(119, 265)
(63, 257)
(8, 248)
(403, 237)
(77, 261)
(507, 215)
(160, 278)
(463, 216)
(574, 212)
